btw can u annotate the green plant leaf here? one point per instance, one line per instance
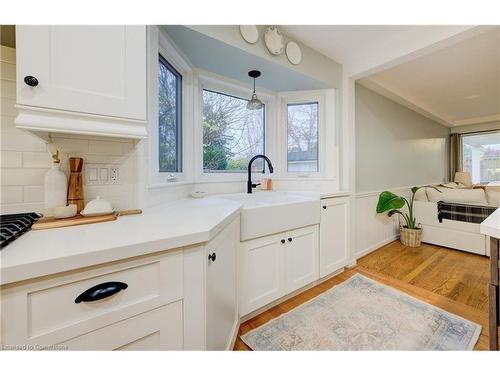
(389, 201)
(393, 212)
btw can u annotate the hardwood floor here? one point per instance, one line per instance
(460, 276)
(449, 279)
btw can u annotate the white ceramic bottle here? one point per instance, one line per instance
(56, 186)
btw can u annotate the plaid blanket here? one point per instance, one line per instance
(463, 212)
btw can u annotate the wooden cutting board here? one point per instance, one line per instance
(50, 222)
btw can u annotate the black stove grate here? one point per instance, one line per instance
(14, 225)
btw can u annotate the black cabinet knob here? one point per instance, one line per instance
(324, 207)
(212, 257)
(31, 81)
(283, 241)
(290, 239)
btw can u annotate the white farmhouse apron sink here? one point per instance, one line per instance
(266, 213)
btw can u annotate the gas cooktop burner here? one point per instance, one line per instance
(14, 225)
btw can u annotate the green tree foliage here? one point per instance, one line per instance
(232, 134)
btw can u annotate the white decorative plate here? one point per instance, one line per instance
(249, 33)
(275, 42)
(293, 53)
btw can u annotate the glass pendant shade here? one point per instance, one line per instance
(254, 103)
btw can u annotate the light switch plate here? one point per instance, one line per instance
(101, 174)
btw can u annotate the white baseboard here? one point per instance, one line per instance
(374, 247)
(234, 336)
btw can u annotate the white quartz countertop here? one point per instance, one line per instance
(168, 226)
(491, 226)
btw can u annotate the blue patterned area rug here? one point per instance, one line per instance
(361, 314)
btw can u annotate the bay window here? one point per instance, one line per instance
(302, 137)
(232, 134)
(170, 117)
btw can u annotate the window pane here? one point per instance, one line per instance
(303, 137)
(169, 105)
(481, 157)
(232, 134)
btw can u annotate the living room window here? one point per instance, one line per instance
(481, 156)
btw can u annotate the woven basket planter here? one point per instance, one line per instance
(410, 237)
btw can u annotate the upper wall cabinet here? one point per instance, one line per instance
(82, 79)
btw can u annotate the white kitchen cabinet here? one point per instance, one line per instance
(159, 329)
(301, 258)
(273, 266)
(82, 79)
(210, 292)
(221, 303)
(262, 266)
(334, 235)
(170, 300)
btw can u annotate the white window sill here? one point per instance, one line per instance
(161, 185)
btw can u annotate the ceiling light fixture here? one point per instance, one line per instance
(254, 103)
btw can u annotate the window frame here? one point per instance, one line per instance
(326, 135)
(178, 107)
(462, 136)
(158, 43)
(226, 86)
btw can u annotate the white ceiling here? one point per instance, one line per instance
(360, 48)
(448, 73)
(457, 85)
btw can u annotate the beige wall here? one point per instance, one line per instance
(395, 146)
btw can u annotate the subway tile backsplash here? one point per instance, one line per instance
(24, 158)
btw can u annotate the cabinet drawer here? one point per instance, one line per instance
(47, 312)
(159, 329)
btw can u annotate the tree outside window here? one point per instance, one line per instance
(232, 134)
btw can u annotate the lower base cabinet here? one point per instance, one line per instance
(334, 235)
(183, 298)
(221, 295)
(273, 266)
(159, 329)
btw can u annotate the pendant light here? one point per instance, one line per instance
(254, 103)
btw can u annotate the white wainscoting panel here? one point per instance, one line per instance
(374, 230)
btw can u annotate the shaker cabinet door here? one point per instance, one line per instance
(301, 254)
(98, 70)
(333, 235)
(222, 312)
(262, 266)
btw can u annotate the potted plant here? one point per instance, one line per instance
(411, 233)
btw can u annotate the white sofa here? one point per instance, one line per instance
(450, 233)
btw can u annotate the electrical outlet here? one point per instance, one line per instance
(102, 174)
(114, 174)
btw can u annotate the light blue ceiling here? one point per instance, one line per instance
(215, 56)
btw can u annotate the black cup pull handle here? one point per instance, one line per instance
(101, 291)
(31, 81)
(212, 257)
